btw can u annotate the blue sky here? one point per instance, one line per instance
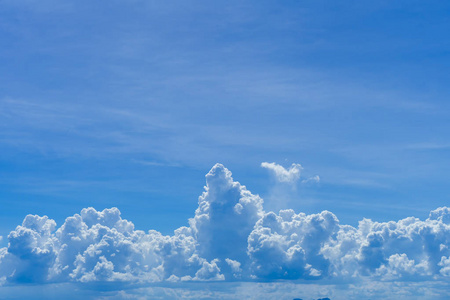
(114, 104)
(129, 104)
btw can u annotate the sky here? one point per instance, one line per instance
(310, 106)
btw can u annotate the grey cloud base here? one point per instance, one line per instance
(230, 238)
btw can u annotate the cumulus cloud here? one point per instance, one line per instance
(283, 175)
(229, 238)
(290, 175)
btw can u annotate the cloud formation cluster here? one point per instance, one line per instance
(230, 238)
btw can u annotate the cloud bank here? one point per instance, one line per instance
(230, 238)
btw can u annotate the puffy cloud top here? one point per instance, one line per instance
(230, 237)
(283, 175)
(225, 217)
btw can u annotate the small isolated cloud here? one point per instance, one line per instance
(314, 179)
(283, 175)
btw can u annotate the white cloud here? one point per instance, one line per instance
(225, 217)
(230, 237)
(445, 264)
(283, 175)
(289, 245)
